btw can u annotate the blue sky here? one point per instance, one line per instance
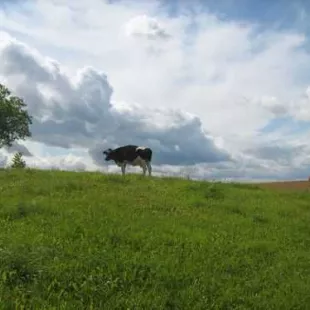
(294, 126)
(280, 15)
(277, 13)
(226, 79)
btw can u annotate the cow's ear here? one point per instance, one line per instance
(108, 151)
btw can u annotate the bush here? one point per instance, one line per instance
(18, 161)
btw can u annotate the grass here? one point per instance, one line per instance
(91, 241)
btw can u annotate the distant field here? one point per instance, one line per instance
(91, 241)
(291, 185)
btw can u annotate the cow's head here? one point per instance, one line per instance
(108, 154)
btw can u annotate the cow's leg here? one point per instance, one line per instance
(149, 167)
(123, 167)
(144, 167)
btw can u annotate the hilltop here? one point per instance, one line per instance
(93, 241)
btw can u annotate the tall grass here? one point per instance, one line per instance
(92, 241)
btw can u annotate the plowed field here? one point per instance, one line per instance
(287, 185)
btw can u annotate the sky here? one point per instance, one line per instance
(218, 89)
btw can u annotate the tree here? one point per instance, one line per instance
(14, 119)
(17, 161)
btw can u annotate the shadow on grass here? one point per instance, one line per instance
(208, 190)
(22, 210)
(16, 268)
(237, 211)
(119, 178)
(246, 186)
(259, 219)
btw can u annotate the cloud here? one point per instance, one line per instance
(77, 112)
(16, 147)
(145, 26)
(3, 160)
(196, 88)
(68, 162)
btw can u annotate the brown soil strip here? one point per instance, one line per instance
(287, 185)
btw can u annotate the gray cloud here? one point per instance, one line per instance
(3, 160)
(16, 147)
(276, 160)
(279, 151)
(78, 111)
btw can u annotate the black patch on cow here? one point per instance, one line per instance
(145, 154)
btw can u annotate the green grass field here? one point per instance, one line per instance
(92, 241)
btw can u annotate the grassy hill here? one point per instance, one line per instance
(91, 241)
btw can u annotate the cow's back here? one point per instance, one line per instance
(126, 153)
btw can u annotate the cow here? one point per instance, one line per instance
(133, 155)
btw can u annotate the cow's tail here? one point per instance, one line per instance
(148, 154)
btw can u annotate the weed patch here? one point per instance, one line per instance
(20, 211)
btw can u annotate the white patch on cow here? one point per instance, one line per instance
(138, 162)
(140, 148)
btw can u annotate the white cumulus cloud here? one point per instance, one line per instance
(145, 26)
(76, 111)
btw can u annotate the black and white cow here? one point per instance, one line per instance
(132, 155)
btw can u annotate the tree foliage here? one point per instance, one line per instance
(17, 161)
(14, 119)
